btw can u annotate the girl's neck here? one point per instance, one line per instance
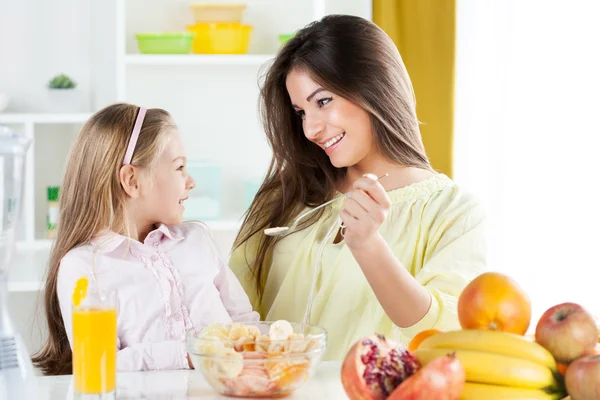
(139, 229)
(141, 232)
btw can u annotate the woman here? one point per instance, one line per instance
(339, 110)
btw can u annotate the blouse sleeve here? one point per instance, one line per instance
(455, 255)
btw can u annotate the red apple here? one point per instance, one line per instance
(583, 378)
(567, 331)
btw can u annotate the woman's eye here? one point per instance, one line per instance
(181, 168)
(323, 101)
(300, 113)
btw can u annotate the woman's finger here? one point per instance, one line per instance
(347, 219)
(374, 190)
(364, 200)
(355, 209)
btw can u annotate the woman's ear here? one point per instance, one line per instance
(130, 180)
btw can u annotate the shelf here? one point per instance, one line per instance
(197, 59)
(44, 118)
(20, 287)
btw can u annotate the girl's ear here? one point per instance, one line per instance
(129, 178)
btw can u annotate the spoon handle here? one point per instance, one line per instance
(326, 203)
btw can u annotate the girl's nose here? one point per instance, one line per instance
(191, 183)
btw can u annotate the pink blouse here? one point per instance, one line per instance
(173, 282)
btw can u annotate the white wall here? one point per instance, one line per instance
(527, 139)
(40, 39)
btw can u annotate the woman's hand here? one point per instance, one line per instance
(364, 211)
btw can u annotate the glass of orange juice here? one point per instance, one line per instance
(95, 346)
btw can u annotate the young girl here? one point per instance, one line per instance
(121, 227)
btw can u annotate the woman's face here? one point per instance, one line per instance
(339, 127)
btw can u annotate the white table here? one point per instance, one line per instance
(184, 384)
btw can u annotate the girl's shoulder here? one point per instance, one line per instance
(196, 232)
(81, 253)
(191, 229)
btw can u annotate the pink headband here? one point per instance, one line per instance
(134, 136)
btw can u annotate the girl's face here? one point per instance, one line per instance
(165, 188)
(339, 127)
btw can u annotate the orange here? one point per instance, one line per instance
(419, 337)
(494, 301)
(289, 374)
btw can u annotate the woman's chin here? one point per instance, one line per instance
(340, 162)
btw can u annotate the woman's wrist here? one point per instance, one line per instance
(372, 246)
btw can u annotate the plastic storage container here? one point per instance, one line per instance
(204, 202)
(52, 217)
(221, 38)
(283, 38)
(218, 12)
(165, 43)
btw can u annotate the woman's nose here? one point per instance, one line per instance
(312, 126)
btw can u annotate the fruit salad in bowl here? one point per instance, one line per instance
(262, 359)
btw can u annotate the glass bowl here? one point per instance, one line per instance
(241, 359)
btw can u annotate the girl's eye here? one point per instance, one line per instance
(181, 168)
(324, 101)
(299, 113)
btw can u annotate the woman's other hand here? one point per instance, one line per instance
(364, 211)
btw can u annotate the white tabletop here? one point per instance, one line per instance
(184, 384)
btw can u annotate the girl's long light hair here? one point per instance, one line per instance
(91, 200)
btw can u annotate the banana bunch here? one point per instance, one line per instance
(498, 365)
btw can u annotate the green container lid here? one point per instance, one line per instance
(283, 38)
(53, 193)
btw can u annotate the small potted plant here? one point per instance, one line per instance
(63, 95)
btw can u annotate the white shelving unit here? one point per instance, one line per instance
(28, 123)
(43, 118)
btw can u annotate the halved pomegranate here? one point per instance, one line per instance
(375, 366)
(442, 379)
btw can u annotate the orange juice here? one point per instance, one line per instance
(94, 349)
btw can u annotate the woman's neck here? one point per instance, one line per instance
(398, 175)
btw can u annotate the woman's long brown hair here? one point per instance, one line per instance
(92, 199)
(355, 59)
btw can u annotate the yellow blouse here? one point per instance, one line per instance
(435, 230)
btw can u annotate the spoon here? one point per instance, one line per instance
(281, 230)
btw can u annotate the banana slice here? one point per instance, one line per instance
(253, 331)
(298, 344)
(280, 330)
(262, 343)
(238, 330)
(228, 365)
(217, 331)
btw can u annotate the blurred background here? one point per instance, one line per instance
(507, 91)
